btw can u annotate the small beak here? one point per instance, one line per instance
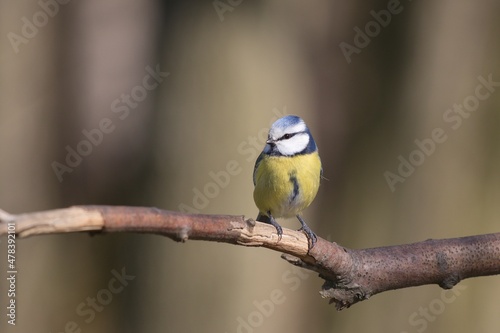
(270, 142)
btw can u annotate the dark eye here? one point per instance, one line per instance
(287, 136)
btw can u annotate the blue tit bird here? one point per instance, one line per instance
(287, 174)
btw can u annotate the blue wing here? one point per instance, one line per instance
(257, 162)
(260, 217)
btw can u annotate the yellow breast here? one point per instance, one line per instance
(285, 186)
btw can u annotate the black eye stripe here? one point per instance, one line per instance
(287, 136)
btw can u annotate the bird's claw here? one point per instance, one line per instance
(311, 236)
(279, 231)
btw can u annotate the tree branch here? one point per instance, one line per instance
(350, 275)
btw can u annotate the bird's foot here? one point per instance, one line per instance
(270, 219)
(311, 236)
(279, 230)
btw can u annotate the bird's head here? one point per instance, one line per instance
(289, 136)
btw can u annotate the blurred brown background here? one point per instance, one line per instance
(233, 67)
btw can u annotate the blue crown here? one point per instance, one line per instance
(287, 121)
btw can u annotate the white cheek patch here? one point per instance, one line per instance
(294, 145)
